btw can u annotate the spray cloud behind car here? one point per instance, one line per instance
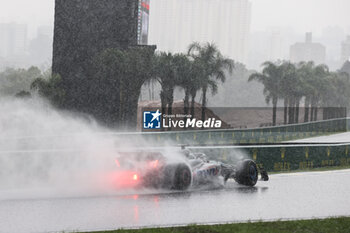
(41, 147)
(44, 151)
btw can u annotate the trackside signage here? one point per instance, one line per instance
(157, 120)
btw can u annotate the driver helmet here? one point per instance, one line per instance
(202, 156)
(188, 154)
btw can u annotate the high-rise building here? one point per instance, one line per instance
(332, 36)
(345, 49)
(83, 30)
(45, 30)
(13, 40)
(308, 51)
(174, 24)
(40, 48)
(275, 46)
(346, 67)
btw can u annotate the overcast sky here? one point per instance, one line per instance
(301, 15)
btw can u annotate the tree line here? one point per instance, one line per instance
(112, 92)
(18, 81)
(119, 75)
(313, 85)
(200, 70)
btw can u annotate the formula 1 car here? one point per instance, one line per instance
(155, 170)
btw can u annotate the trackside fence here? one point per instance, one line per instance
(250, 136)
(267, 146)
(230, 144)
(277, 158)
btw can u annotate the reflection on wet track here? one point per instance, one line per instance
(285, 196)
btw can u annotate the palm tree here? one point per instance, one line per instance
(107, 99)
(138, 61)
(115, 88)
(211, 66)
(335, 97)
(321, 72)
(51, 88)
(165, 74)
(198, 72)
(319, 86)
(289, 92)
(306, 74)
(271, 79)
(186, 78)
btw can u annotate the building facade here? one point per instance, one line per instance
(308, 51)
(84, 29)
(40, 48)
(13, 40)
(345, 49)
(174, 24)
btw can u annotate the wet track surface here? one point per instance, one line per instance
(285, 196)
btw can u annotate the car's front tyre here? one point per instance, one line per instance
(246, 173)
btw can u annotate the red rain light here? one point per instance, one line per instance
(125, 179)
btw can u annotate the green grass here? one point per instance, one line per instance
(331, 225)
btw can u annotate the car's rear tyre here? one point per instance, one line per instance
(182, 177)
(247, 173)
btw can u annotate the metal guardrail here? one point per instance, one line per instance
(226, 144)
(250, 136)
(277, 158)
